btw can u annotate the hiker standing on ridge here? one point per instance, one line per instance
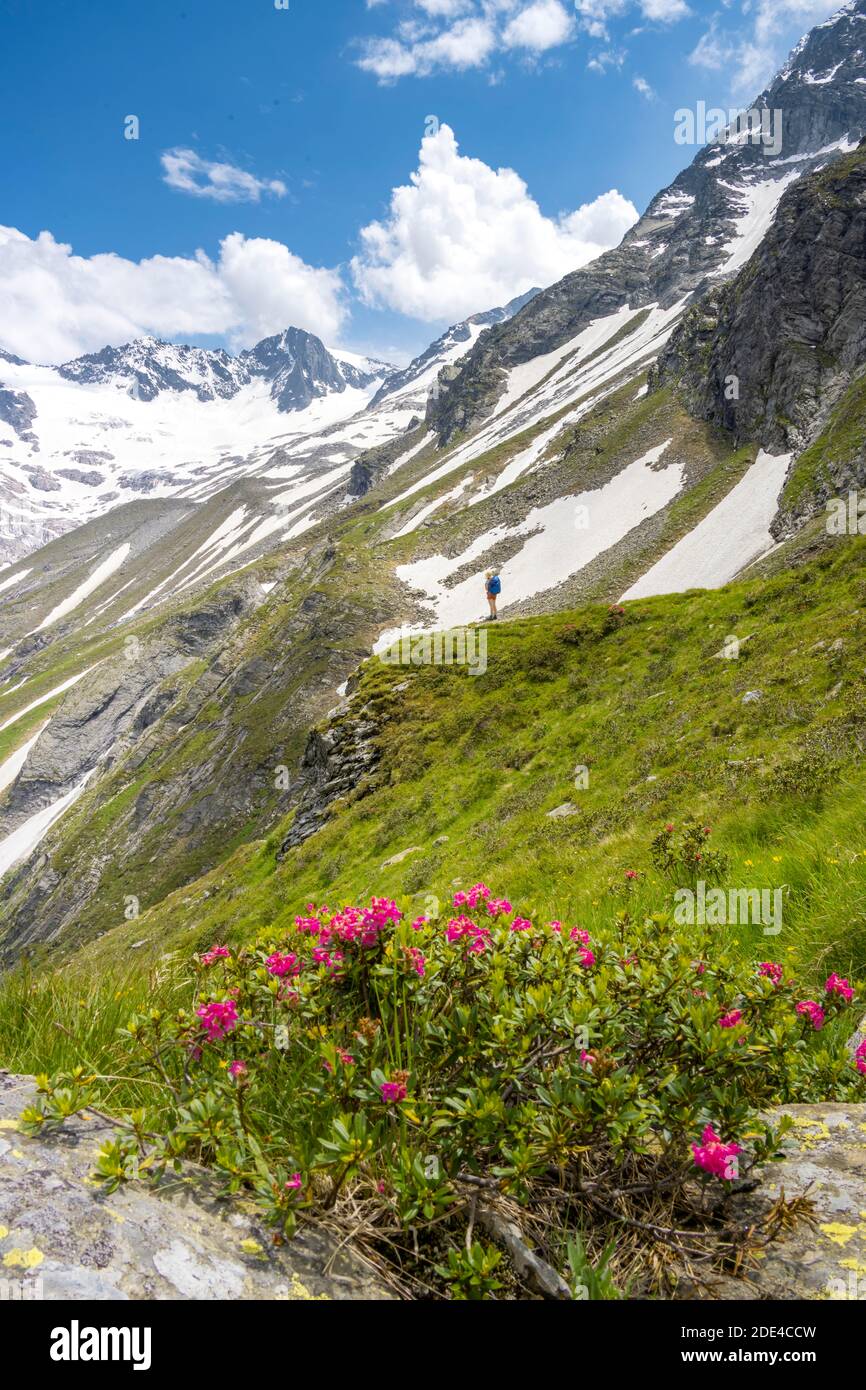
(492, 588)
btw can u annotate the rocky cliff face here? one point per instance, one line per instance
(791, 328)
(338, 762)
(768, 355)
(17, 409)
(698, 228)
(122, 697)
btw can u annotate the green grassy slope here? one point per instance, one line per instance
(200, 786)
(660, 723)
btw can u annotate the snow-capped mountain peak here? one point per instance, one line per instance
(147, 366)
(297, 365)
(155, 419)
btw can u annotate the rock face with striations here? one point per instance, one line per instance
(63, 1239)
(689, 234)
(335, 763)
(790, 330)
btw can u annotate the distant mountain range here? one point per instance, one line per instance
(79, 439)
(296, 366)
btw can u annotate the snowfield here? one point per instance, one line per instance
(580, 376)
(560, 539)
(88, 587)
(734, 534)
(22, 842)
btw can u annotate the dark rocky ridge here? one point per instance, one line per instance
(791, 328)
(456, 334)
(670, 253)
(18, 410)
(337, 762)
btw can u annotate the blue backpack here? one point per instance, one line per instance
(494, 586)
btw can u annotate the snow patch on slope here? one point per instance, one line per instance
(89, 586)
(588, 381)
(558, 543)
(24, 840)
(10, 769)
(759, 202)
(43, 699)
(13, 579)
(731, 536)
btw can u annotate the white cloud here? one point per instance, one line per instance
(595, 14)
(641, 85)
(472, 31)
(55, 305)
(542, 25)
(771, 16)
(463, 237)
(460, 35)
(608, 58)
(445, 9)
(388, 59)
(187, 172)
(753, 57)
(665, 11)
(466, 44)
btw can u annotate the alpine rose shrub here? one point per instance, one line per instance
(362, 1054)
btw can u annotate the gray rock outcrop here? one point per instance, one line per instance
(768, 355)
(61, 1236)
(336, 761)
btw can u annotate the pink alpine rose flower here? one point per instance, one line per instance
(218, 1017)
(281, 965)
(499, 907)
(809, 1009)
(215, 953)
(714, 1156)
(521, 924)
(771, 971)
(731, 1019)
(393, 1092)
(836, 985)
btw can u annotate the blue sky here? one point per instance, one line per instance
(269, 139)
